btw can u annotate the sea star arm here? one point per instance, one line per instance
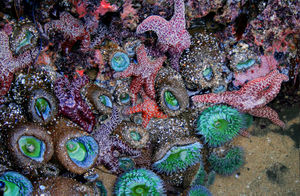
(134, 109)
(123, 148)
(160, 115)
(141, 54)
(109, 161)
(126, 73)
(209, 98)
(267, 112)
(60, 84)
(259, 84)
(135, 87)
(80, 82)
(178, 18)
(154, 23)
(146, 119)
(5, 82)
(274, 88)
(114, 120)
(149, 86)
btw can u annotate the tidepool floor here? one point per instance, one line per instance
(272, 159)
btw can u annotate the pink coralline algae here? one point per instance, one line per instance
(148, 108)
(199, 9)
(71, 28)
(111, 147)
(102, 9)
(10, 64)
(172, 35)
(143, 73)
(129, 16)
(231, 10)
(71, 104)
(268, 63)
(272, 26)
(252, 97)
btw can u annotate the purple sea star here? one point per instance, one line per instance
(252, 97)
(10, 64)
(144, 73)
(172, 35)
(71, 104)
(110, 147)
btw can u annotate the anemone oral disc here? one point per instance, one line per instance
(76, 150)
(32, 147)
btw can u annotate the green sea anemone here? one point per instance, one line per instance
(42, 106)
(247, 120)
(199, 178)
(202, 178)
(30, 144)
(229, 163)
(119, 61)
(245, 64)
(126, 164)
(178, 158)
(82, 150)
(32, 147)
(100, 98)
(15, 184)
(219, 124)
(199, 190)
(135, 135)
(139, 182)
(208, 73)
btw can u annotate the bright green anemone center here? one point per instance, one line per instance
(140, 190)
(221, 124)
(245, 64)
(76, 150)
(30, 146)
(124, 98)
(42, 108)
(136, 136)
(179, 154)
(25, 41)
(10, 189)
(105, 100)
(171, 101)
(207, 73)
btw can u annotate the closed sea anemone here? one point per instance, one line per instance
(135, 135)
(126, 164)
(15, 184)
(219, 124)
(122, 93)
(139, 182)
(227, 164)
(178, 159)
